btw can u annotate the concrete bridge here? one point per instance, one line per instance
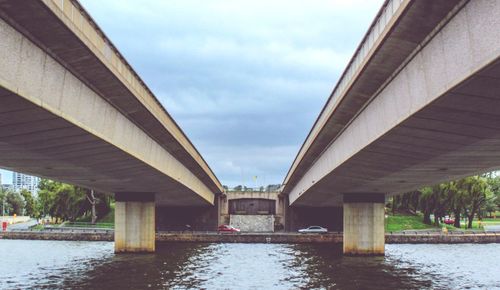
(72, 109)
(417, 105)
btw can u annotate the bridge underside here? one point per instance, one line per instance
(434, 119)
(455, 136)
(34, 141)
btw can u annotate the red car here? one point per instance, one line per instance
(227, 228)
(449, 221)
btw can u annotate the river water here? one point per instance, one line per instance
(93, 265)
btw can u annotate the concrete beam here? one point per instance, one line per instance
(429, 123)
(134, 222)
(90, 56)
(364, 227)
(395, 33)
(38, 95)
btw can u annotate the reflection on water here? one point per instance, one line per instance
(57, 264)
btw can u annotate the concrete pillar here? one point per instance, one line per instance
(364, 227)
(134, 222)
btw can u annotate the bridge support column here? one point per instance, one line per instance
(134, 222)
(364, 232)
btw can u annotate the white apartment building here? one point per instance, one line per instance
(24, 181)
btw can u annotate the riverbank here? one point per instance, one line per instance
(403, 222)
(277, 238)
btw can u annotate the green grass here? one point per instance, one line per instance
(396, 223)
(89, 225)
(106, 221)
(84, 219)
(37, 227)
(109, 218)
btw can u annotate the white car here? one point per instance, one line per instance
(314, 229)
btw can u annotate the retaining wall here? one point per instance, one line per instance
(285, 238)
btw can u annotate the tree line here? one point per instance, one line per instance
(59, 200)
(469, 197)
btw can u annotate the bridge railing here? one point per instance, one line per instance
(88, 225)
(250, 189)
(370, 41)
(367, 45)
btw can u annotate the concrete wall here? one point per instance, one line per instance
(252, 223)
(259, 238)
(280, 202)
(252, 206)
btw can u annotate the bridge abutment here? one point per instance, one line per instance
(364, 231)
(134, 222)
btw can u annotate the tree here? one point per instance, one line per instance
(30, 204)
(493, 199)
(16, 203)
(474, 189)
(456, 200)
(92, 200)
(103, 206)
(5, 206)
(46, 196)
(432, 200)
(69, 202)
(407, 202)
(490, 205)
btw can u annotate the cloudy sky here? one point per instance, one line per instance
(245, 80)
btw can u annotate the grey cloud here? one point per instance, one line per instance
(244, 79)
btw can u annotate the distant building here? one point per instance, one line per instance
(23, 181)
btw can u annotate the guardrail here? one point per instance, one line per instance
(449, 233)
(88, 225)
(62, 230)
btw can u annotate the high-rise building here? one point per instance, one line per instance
(24, 181)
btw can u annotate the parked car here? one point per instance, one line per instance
(314, 229)
(228, 228)
(449, 221)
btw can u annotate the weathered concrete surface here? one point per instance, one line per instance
(134, 225)
(67, 114)
(282, 238)
(364, 227)
(281, 203)
(479, 238)
(57, 236)
(397, 31)
(434, 119)
(91, 56)
(278, 238)
(252, 223)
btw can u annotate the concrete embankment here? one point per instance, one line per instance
(276, 238)
(59, 236)
(279, 238)
(422, 238)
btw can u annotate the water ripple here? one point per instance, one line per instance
(93, 265)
